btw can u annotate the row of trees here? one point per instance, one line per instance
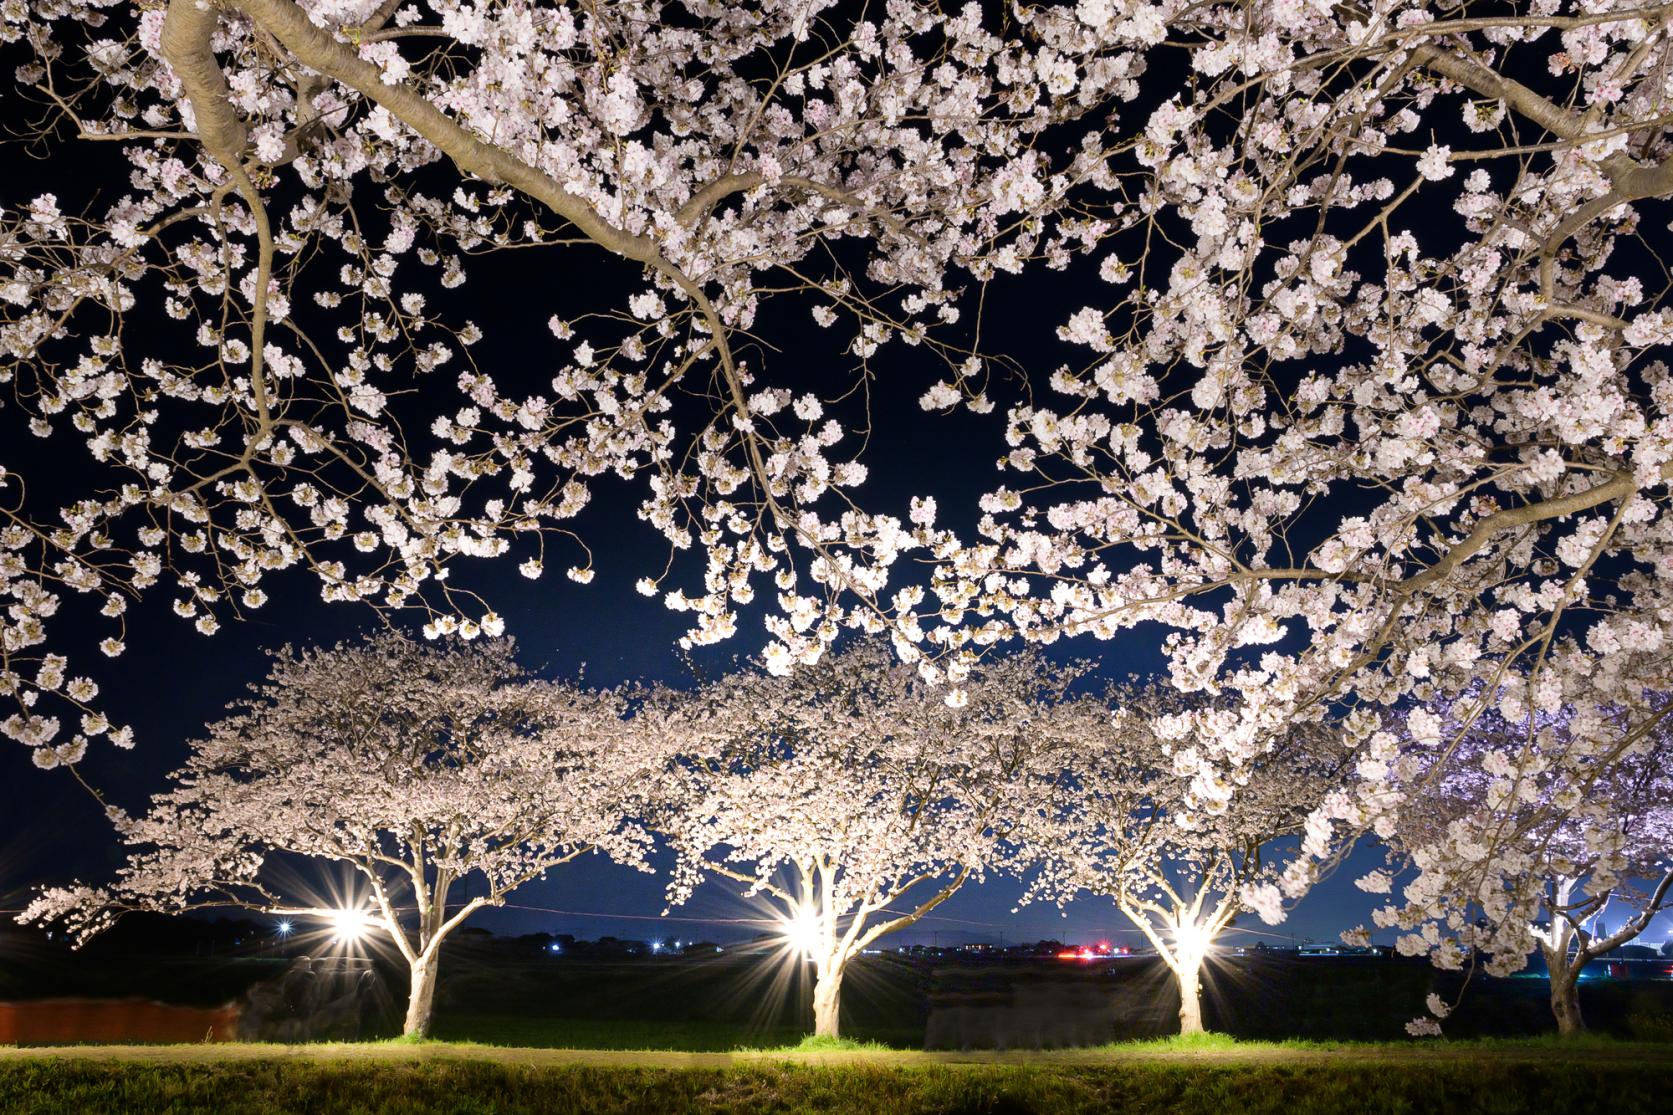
(1370, 411)
(853, 798)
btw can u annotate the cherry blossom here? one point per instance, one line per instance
(305, 180)
(1142, 815)
(853, 797)
(1368, 405)
(1529, 831)
(416, 766)
(1373, 410)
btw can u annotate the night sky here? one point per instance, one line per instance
(172, 680)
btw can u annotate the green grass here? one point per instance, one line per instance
(1586, 1048)
(608, 1033)
(388, 1079)
(1186, 1043)
(813, 1043)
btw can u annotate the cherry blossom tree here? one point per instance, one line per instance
(1576, 838)
(1181, 858)
(419, 767)
(853, 797)
(1368, 403)
(1372, 405)
(299, 186)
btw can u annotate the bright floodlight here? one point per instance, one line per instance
(283, 928)
(801, 932)
(349, 926)
(1192, 939)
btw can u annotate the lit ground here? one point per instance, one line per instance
(1210, 1077)
(1209, 1050)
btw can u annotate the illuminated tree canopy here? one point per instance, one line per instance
(1575, 839)
(417, 767)
(855, 797)
(1123, 822)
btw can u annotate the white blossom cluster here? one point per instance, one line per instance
(1148, 814)
(1517, 828)
(853, 795)
(412, 766)
(284, 222)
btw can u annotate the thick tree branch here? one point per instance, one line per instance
(1616, 487)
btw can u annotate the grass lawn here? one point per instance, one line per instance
(1209, 1075)
(607, 1033)
(691, 1035)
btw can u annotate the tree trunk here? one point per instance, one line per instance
(1189, 974)
(420, 997)
(827, 1002)
(1565, 981)
(1565, 1002)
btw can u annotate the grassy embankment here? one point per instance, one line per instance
(1207, 1075)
